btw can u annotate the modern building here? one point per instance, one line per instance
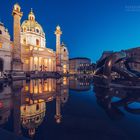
(28, 51)
(81, 65)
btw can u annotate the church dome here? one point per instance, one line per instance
(32, 28)
(32, 115)
(31, 24)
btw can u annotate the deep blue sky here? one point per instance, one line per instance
(89, 26)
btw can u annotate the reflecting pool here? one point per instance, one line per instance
(69, 109)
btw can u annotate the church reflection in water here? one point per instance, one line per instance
(24, 104)
(29, 107)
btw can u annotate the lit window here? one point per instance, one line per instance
(26, 61)
(37, 42)
(24, 29)
(0, 45)
(26, 88)
(24, 41)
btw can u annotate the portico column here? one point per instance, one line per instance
(38, 64)
(48, 65)
(43, 64)
(31, 63)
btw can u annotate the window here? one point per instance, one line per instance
(37, 42)
(26, 61)
(64, 50)
(24, 41)
(0, 45)
(24, 108)
(0, 32)
(37, 30)
(24, 29)
(37, 106)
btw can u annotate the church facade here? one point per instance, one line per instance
(28, 50)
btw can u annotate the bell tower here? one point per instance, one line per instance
(16, 61)
(58, 34)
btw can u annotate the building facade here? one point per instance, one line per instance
(28, 51)
(5, 49)
(79, 65)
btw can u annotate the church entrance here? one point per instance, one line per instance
(1, 66)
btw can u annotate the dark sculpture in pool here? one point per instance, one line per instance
(115, 70)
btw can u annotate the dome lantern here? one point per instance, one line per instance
(31, 15)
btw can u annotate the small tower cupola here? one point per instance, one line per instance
(58, 30)
(17, 7)
(31, 15)
(17, 10)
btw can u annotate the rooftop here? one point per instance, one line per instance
(80, 58)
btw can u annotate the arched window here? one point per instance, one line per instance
(24, 41)
(37, 42)
(37, 106)
(24, 29)
(0, 32)
(37, 30)
(24, 108)
(30, 18)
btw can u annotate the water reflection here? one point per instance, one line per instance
(26, 106)
(5, 103)
(112, 100)
(28, 102)
(32, 114)
(80, 84)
